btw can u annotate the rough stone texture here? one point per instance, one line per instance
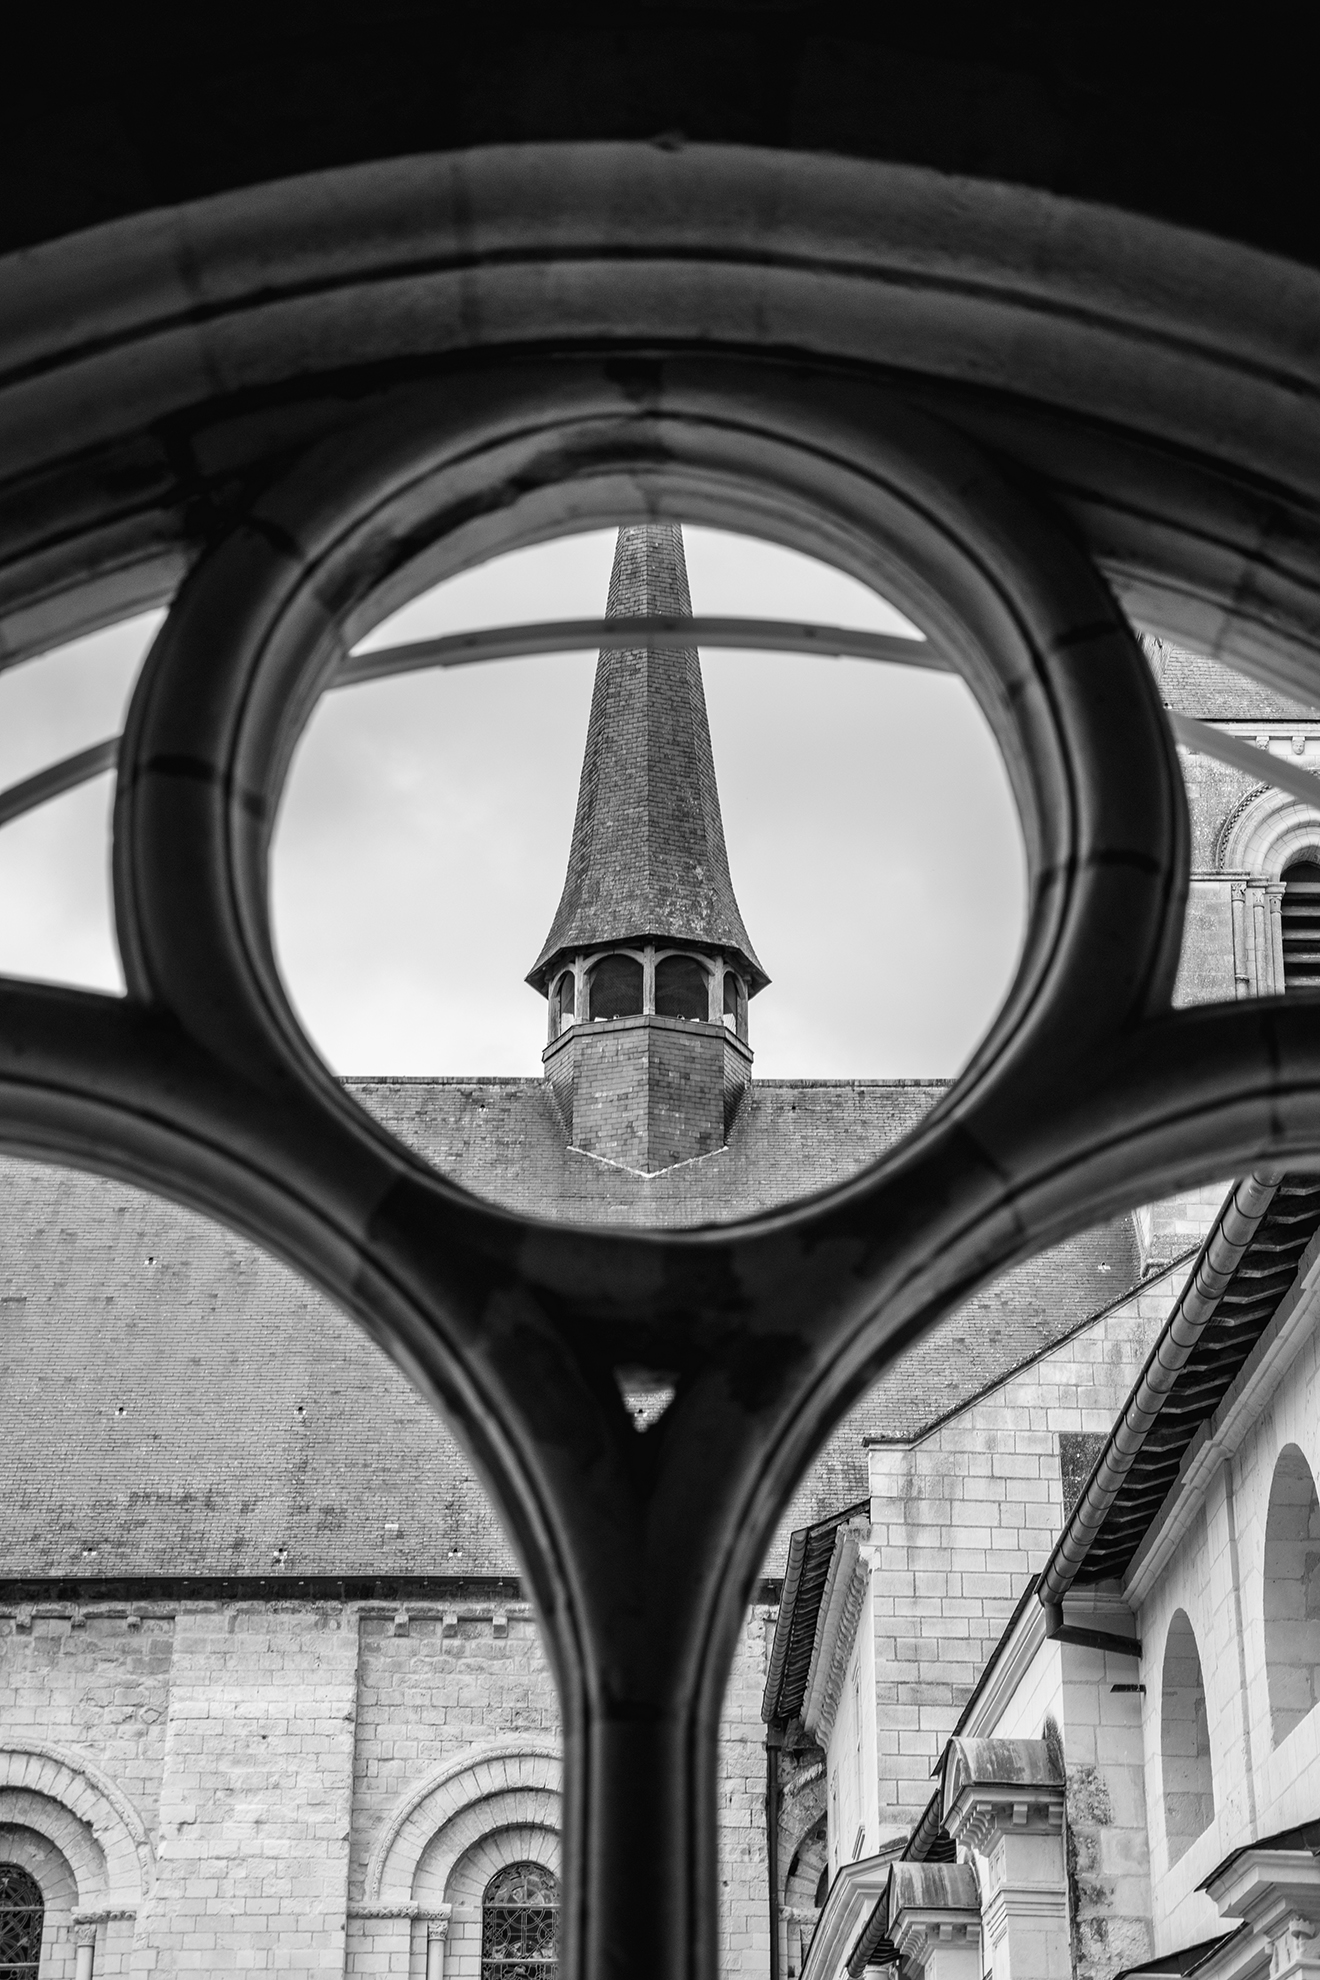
(648, 855)
(252, 1865)
(744, 1887)
(97, 1688)
(961, 1518)
(1108, 1857)
(440, 1691)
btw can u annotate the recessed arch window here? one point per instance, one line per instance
(1292, 1593)
(616, 987)
(735, 1002)
(682, 988)
(22, 1914)
(1301, 925)
(520, 1924)
(1189, 1792)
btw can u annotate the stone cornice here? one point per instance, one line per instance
(1220, 1437)
(836, 1629)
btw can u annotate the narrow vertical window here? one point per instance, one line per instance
(1292, 1593)
(520, 1924)
(22, 1914)
(1301, 926)
(1189, 1792)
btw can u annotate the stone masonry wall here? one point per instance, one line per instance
(962, 1518)
(252, 1867)
(447, 1686)
(744, 1868)
(646, 1092)
(268, 1747)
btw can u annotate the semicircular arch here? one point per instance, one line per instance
(1269, 833)
(40, 1772)
(1185, 1759)
(488, 1783)
(464, 1872)
(44, 1834)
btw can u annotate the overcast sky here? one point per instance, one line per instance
(421, 847)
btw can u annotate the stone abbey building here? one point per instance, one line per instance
(271, 1696)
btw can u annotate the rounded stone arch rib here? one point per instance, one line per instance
(1185, 1766)
(1267, 831)
(35, 1774)
(1292, 1593)
(493, 1787)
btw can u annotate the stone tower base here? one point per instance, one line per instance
(648, 1091)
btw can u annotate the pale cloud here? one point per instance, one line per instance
(421, 845)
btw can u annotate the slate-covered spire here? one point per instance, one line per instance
(647, 860)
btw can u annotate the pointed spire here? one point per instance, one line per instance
(648, 859)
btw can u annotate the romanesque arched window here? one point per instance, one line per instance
(616, 987)
(1189, 1792)
(22, 1912)
(1292, 1593)
(520, 1924)
(682, 988)
(1301, 925)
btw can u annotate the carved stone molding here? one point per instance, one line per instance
(836, 1629)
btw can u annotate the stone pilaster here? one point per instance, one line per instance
(1002, 1799)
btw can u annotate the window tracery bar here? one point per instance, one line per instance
(22, 1916)
(520, 1924)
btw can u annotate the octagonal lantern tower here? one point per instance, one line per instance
(647, 966)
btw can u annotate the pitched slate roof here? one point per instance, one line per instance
(1195, 685)
(175, 1404)
(648, 857)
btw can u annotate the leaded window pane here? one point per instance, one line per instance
(520, 1924)
(22, 1912)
